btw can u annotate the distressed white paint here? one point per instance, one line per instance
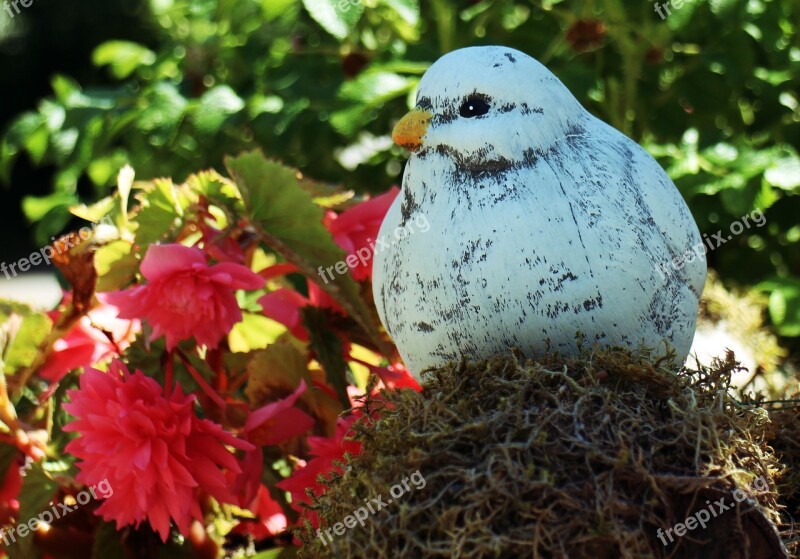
(544, 221)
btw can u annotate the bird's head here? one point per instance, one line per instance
(488, 108)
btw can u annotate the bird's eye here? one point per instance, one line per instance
(474, 106)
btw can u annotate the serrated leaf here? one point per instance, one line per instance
(162, 207)
(326, 195)
(337, 17)
(255, 331)
(213, 186)
(116, 264)
(8, 307)
(275, 371)
(25, 347)
(96, 211)
(291, 224)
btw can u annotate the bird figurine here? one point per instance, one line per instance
(546, 226)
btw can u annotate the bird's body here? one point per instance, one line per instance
(544, 222)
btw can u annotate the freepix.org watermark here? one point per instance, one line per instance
(676, 5)
(44, 254)
(102, 490)
(15, 4)
(372, 506)
(363, 254)
(713, 510)
(713, 242)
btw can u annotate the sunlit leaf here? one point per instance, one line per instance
(123, 57)
(337, 17)
(291, 224)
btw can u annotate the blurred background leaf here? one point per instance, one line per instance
(172, 86)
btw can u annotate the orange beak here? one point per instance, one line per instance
(409, 130)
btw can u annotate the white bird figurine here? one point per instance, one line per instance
(544, 222)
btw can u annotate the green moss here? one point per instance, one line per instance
(555, 458)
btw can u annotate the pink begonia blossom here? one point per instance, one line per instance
(325, 452)
(96, 336)
(271, 424)
(283, 305)
(186, 297)
(153, 450)
(358, 227)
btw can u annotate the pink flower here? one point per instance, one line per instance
(283, 305)
(325, 451)
(270, 518)
(152, 449)
(278, 421)
(395, 376)
(185, 296)
(95, 337)
(9, 489)
(358, 228)
(271, 424)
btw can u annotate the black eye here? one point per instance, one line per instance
(474, 106)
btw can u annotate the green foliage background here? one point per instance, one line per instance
(711, 91)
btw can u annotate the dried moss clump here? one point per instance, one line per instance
(558, 458)
(786, 442)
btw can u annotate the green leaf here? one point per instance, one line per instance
(96, 211)
(275, 371)
(36, 208)
(8, 458)
(375, 88)
(337, 17)
(164, 108)
(25, 347)
(291, 224)
(216, 105)
(123, 57)
(406, 9)
(38, 489)
(272, 9)
(213, 186)
(107, 543)
(162, 207)
(328, 350)
(65, 88)
(784, 173)
(254, 332)
(723, 7)
(784, 304)
(116, 265)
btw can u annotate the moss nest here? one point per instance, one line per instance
(557, 458)
(785, 440)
